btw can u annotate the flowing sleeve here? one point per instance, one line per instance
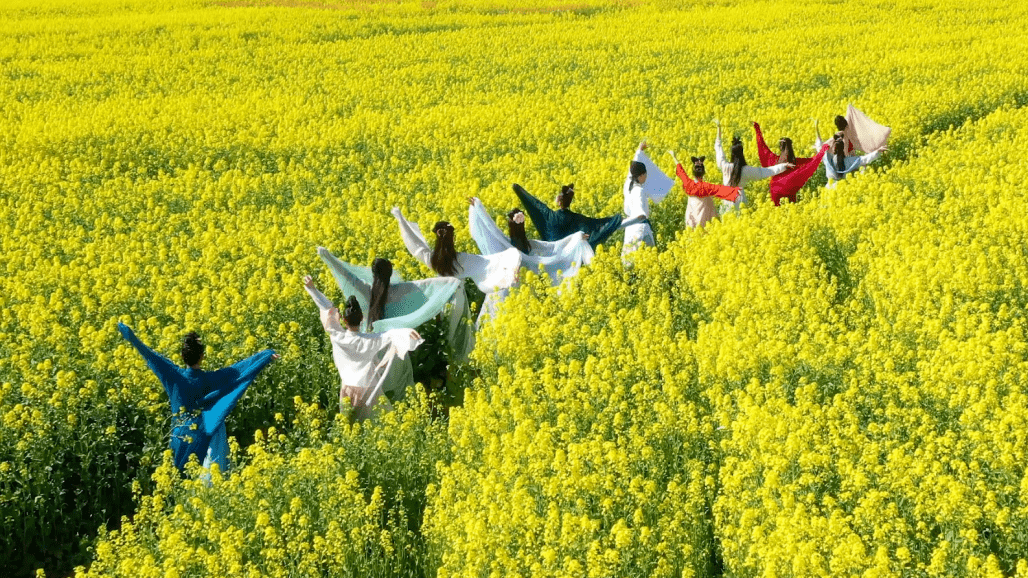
(657, 184)
(704, 189)
(767, 158)
(867, 134)
(351, 279)
(598, 229)
(412, 303)
(165, 370)
(413, 239)
(228, 385)
(484, 231)
(541, 215)
(493, 272)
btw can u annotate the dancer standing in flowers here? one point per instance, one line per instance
(392, 302)
(560, 259)
(644, 184)
(860, 133)
(556, 225)
(786, 184)
(364, 360)
(491, 273)
(838, 164)
(200, 400)
(700, 207)
(736, 173)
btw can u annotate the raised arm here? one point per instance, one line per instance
(540, 214)
(228, 385)
(484, 231)
(323, 303)
(163, 368)
(719, 152)
(347, 278)
(818, 143)
(767, 158)
(413, 239)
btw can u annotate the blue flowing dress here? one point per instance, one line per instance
(200, 401)
(556, 225)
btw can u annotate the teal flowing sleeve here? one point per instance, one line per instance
(227, 386)
(541, 215)
(164, 369)
(412, 303)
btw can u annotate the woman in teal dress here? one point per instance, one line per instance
(200, 400)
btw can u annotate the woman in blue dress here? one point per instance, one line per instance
(200, 400)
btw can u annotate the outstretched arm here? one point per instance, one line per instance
(163, 368)
(719, 152)
(818, 143)
(323, 303)
(540, 214)
(484, 231)
(413, 239)
(346, 278)
(228, 385)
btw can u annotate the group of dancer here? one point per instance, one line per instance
(373, 335)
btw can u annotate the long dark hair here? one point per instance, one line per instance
(698, 170)
(444, 256)
(841, 123)
(566, 195)
(382, 269)
(738, 162)
(839, 149)
(636, 170)
(352, 314)
(787, 155)
(192, 349)
(517, 232)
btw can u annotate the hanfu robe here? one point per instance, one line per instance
(365, 361)
(786, 184)
(850, 164)
(556, 225)
(559, 259)
(700, 207)
(200, 401)
(749, 174)
(410, 303)
(637, 202)
(491, 273)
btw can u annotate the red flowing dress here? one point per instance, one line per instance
(787, 184)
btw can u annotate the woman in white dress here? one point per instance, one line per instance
(558, 259)
(644, 184)
(837, 163)
(392, 302)
(364, 360)
(737, 173)
(491, 273)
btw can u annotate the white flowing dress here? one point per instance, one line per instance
(637, 202)
(365, 361)
(558, 259)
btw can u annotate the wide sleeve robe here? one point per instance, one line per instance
(556, 225)
(786, 184)
(200, 401)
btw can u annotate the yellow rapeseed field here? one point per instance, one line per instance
(832, 388)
